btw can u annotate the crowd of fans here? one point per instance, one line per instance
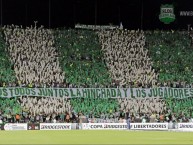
(172, 57)
(36, 64)
(33, 54)
(82, 59)
(38, 57)
(45, 105)
(73, 117)
(143, 105)
(127, 59)
(6, 71)
(84, 66)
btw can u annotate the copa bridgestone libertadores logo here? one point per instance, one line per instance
(167, 14)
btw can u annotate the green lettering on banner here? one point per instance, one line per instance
(103, 93)
(93, 93)
(166, 93)
(138, 93)
(56, 92)
(125, 92)
(191, 92)
(131, 90)
(186, 92)
(170, 92)
(150, 93)
(33, 92)
(119, 93)
(72, 93)
(21, 91)
(155, 93)
(108, 93)
(17, 92)
(78, 93)
(45, 92)
(5, 93)
(160, 92)
(50, 92)
(180, 93)
(28, 91)
(176, 94)
(97, 92)
(66, 93)
(113, 93)
(11, 90)
(143, 94)
(40, 92)
(88, 93)
(84, 93)
(61, 93)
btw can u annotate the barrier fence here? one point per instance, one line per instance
(97, 126)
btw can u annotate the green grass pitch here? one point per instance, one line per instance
(95, 137)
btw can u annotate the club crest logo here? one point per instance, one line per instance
(167, 14)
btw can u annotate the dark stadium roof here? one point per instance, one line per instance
(133, 14)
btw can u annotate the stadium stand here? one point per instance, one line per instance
(39, 57)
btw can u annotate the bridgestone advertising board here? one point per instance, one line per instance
(55, 126)
(185, 126)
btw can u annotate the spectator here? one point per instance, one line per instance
(128, 119)
(17, 117)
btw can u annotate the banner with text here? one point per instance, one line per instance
(185, 126)
(122, 126)
(97, 92)
(15, 126)
(55, 126)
